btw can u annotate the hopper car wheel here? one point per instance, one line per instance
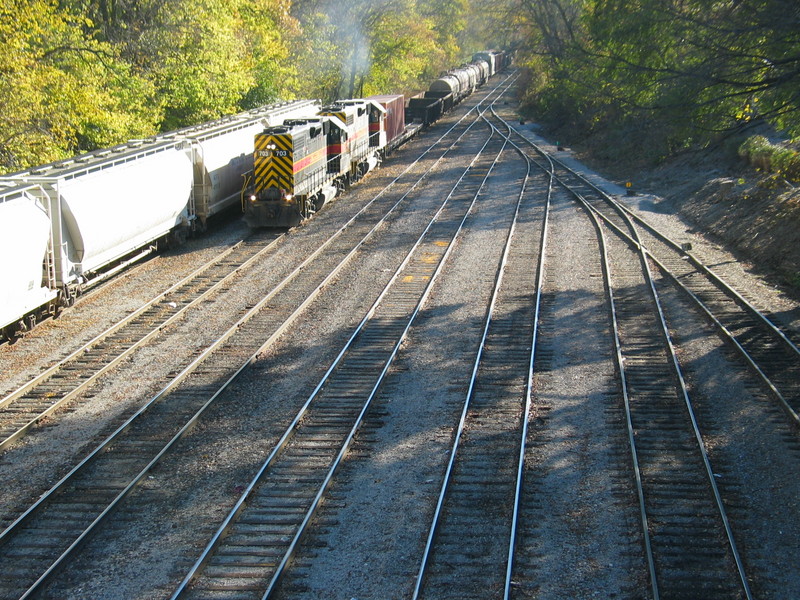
(68, 297)
(11, 332)
(177, 237)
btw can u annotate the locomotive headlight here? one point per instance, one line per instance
(253, 198)
(287, 196)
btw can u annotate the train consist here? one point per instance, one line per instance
(67, 225)
(303, 163)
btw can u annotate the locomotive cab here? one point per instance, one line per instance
(352, 147)
(290, 174)
(359, 150)
(376, 113)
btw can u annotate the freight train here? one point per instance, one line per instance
(454, 86)
(304, 163)
(68, 225)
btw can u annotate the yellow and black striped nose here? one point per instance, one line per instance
(274, 162)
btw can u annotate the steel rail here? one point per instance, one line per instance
(540, 275)
(93, 286)
(727, 288)
(746, 354)
(15, 394)
(235, 512)
(462, 420)
(41, 502)
(648, 548)
(434, 278)
(44, 375)
(81, 352)
(156, 328)
(669, 345)
(126, 269)
(623, 384)
(488, 321)
(792, 412)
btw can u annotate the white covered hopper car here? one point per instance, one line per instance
(67, 225)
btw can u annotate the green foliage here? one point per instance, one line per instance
(201, 67)
(265, 27)
(685, 71)
(771, 158)
(365, 46)
(62, 92)
(402, 52)
(76, 75)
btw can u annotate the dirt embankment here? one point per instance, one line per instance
(756, 215)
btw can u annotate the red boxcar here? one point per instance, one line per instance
(395, 118)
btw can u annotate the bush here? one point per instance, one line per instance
(771, 158)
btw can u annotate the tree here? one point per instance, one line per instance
(685, 70)
(62, 92)
(266, 26)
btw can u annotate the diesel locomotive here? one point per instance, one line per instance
(300, 165)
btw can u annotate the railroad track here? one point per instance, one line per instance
(688, 542)
(129, 269)
(254, 546)
(45, 537)
(771, 352)
(689, 545)
(481, 488)
(52, 389)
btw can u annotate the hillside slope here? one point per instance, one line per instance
(755, 214)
